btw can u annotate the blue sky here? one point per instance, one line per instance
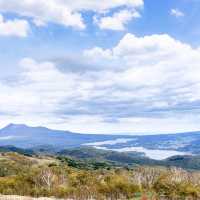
(128, 66)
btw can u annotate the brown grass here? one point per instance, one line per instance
(13, 197)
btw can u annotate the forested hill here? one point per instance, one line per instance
(91, 157)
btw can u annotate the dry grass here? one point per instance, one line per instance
(24, 198)
(37, 160)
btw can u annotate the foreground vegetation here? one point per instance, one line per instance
(72, 179)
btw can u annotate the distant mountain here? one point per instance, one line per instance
(46, 140)
(23, 136)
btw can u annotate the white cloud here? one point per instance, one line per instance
(177, 13)
(16, 27)
(100, 6)
(155, 75)
(65, 12)
(98, 53)
(151, 84)
(44, 11)
(118, 21)
(39, 89)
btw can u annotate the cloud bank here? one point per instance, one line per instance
(146, 84)
(16, 27)
(64, 12)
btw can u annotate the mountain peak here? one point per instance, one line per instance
(14, 126)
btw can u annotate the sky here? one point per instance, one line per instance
(90, 66)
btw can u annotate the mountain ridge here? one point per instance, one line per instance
(23, 136)
(15, 125)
